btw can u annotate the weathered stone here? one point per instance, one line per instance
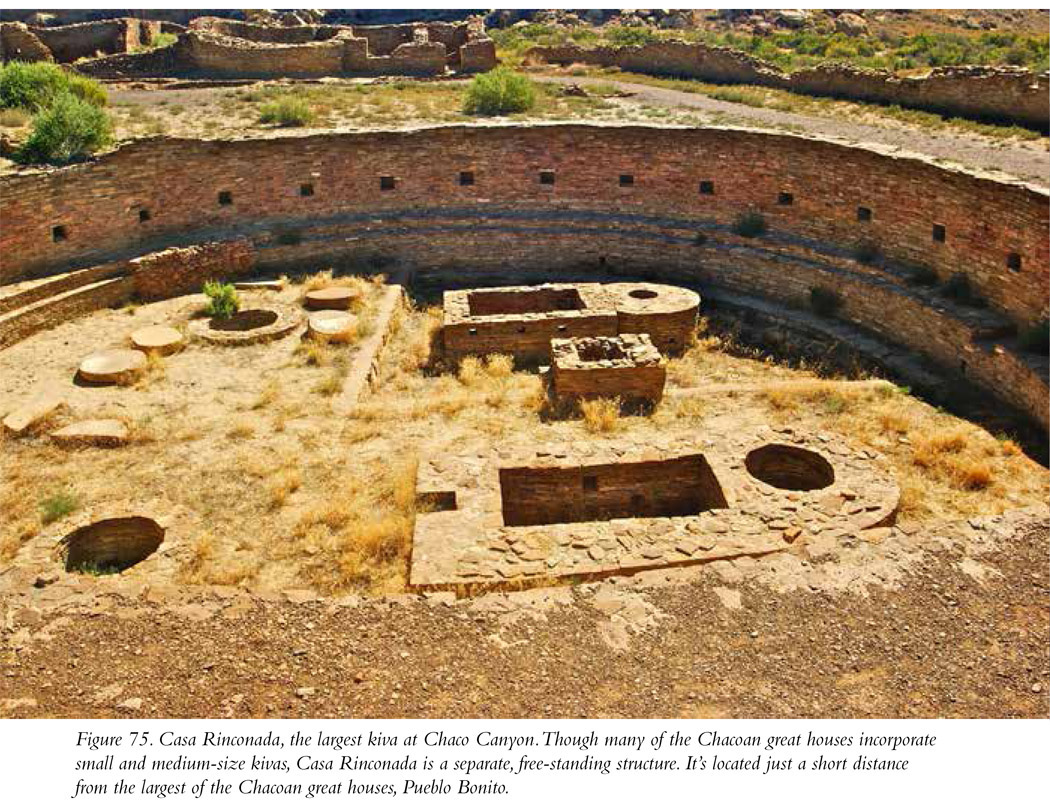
(158, 339)
(105, 432)
(119, 366)
(24, 418)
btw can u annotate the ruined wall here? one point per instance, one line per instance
(699, 182)
(1005, 94)
(180, 271)
(274, 34)
(17, 42)
(71, 42)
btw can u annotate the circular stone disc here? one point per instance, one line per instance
(112, 367)
(331, 297)
(332, 325)
(160, 339)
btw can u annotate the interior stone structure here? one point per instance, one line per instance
(521, 321)
(519, 515)
(628, 367)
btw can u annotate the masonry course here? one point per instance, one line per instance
(663, 223)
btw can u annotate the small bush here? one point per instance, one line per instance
(70, 129)
(923, 276)
(57, 505)
(750, 224)
(287, 112)
(223, 301)
(866, 251)
(1036, 338)
(824, 302)
(34, 86)
(499, 92)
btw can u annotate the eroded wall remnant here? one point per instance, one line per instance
(1006, 94)
(220, 48)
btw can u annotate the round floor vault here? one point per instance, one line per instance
(249, 326)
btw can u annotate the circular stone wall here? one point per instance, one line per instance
(249, 326)
(112, 545)
(675, 221)
(666, 313)
(791, 468)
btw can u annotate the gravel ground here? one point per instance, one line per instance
(942, 645)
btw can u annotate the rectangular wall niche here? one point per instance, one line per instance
(484, 304)
(680, 486)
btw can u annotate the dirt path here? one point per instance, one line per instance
(1028, 161)
(958, 638)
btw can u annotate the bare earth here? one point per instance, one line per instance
(944, 645)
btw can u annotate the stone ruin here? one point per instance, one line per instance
(628, 366)
(526, 515)
(521, 321)
(219, 48)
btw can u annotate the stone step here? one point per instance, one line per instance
(19, 295)
(50, 311)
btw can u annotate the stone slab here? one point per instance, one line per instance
(22, 419)
(107, 432)
(120, 366)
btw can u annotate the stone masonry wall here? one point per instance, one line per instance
(71, 42)
(1005, 94)
(511, 221)
(17, 42)
(180, 271)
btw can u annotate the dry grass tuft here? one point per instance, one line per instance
(268, 395)
(360, 535)
(283, 484)
(241, 429)
(601, 415)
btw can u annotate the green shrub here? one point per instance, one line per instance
(34, 86)
(70, 129)
(866, 251)
(223, 301)
(625, 35)
(287, 111)
(1036, 338)
(750, 224)
(499, 92)
(824, 301)
(57, 505)
(923, 276)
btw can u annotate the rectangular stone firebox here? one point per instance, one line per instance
(628, 367)
(679, 486)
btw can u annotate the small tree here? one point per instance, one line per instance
(499, 92)
(70, 129)
(223, 301)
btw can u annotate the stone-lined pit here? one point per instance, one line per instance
(247, 320)
(791, 468)
(112, 545)
(248, 326)
(680, 486)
